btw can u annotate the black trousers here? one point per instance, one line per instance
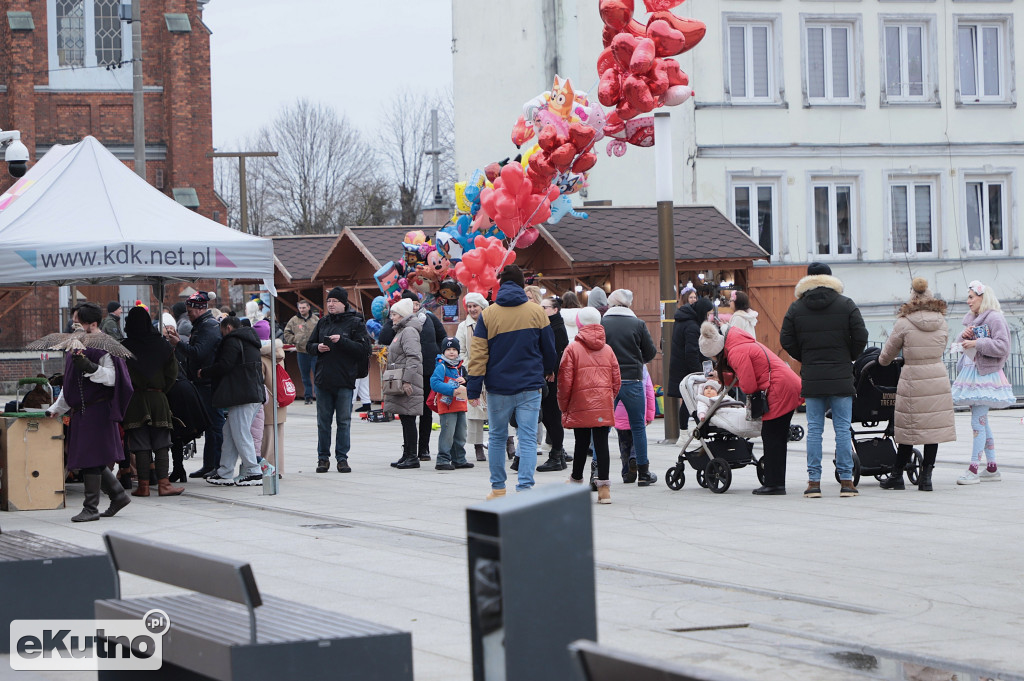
(409, 433)
(551, 417)
(426, 421)
(581, 454)
(906, 452)
(775, 438)
(684, 416)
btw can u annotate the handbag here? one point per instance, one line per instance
(432, 401)
(757, 403)
(285, 386)
(391, 381)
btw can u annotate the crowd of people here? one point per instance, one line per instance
(527, 366)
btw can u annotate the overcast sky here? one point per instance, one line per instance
(352, 54)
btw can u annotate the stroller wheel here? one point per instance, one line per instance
(914, 467)
(856, 470)
(701, 480)
(675, 478)
(796, 433)
(718, 476)
(760, 470)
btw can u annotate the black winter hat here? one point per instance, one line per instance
(113, 306)
(818, 268)
(514, 274)
(338, 293)
(450, 343)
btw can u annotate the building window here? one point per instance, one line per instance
(831, 71)
(86, 39)
(906, 63)
(912, 217)
(751, 57)
(986, 204)
(982, 61)
(754, 210)
(834, 217)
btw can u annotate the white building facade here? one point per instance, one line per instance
(883, 138)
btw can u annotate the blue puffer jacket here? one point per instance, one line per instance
(444, 381)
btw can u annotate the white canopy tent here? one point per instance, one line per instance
(80, 216)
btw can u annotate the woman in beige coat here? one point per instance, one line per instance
(269, 377)
(477, 416)
(924, 400)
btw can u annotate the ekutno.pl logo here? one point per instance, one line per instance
(89, 645)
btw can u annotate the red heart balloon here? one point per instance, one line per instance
(693, 31)
(548, 138)
(581, 136)
(676, 76)
(657, 78)
(657, 5)
(623, 45)
(528, 237)
(610, 89)
(667, 40)
(562, 157)
(537, 178)
(625, 110)
(643, 57)
(616, 13)
(585, 162)
(636, 92)
(605, 60)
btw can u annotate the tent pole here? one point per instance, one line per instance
(270, 483)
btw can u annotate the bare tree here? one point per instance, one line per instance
(405, 137)
(322, 159)
(264, 216)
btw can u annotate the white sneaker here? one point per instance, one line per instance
(248, 480)
(968, 478)
(994, 476)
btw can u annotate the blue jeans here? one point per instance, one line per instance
(451, 443)
(336, 404)
(842, 410)
(526, 407)
(632, 396)
(307, 367)
(213, 438)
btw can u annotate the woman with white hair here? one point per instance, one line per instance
(477, 416)
(981, 383)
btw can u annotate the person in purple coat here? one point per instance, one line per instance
(97, 389)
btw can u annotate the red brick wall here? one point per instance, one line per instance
(13, 369)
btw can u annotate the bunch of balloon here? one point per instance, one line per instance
(478, 271)
(516, 202)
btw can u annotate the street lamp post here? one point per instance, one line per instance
(666, 261)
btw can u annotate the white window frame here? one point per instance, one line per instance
(855, 51)
(752, 181)
(91, 76)
(1004, 178)
(776, 90)
(929, 60)
(1007, 76)
(910, 180)
(833, 180)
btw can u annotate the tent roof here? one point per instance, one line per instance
(80, 216)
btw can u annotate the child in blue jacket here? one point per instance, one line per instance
(449, 382)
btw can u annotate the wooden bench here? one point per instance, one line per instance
(598, 663)
(227, 630)
(43, 578)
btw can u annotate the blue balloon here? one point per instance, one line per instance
(373, 328)
(561, 207)
(379, 308)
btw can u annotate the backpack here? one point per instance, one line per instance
(285, 386)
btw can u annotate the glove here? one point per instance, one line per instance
(407, 389)
(84, 364)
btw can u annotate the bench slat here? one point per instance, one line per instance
(23, 545)
(223, 578)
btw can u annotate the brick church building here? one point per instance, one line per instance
(66, 72)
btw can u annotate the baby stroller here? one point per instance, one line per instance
(873, 403)
(723, 439)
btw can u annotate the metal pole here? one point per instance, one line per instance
(138, 106)
(242, 196)
(270, 484)
(667, 276)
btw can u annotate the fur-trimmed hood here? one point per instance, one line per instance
(922, 304)
(813, 281)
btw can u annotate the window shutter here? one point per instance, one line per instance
(816, 63)
(737, 62)
(840, 63)
(759, 46)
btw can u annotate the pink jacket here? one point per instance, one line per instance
(622, 418)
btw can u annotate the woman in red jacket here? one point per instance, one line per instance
(758, 368)
(588, 381)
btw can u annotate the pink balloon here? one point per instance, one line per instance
(676, 95)
(512, 177)
(528, 237)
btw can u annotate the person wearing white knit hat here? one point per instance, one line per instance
(629, 338)
(476, 416)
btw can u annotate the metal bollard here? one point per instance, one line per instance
(532, 585)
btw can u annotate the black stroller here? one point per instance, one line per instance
(873, 403)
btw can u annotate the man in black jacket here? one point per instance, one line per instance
(629, 338)
(824, 331)
(431, 336)
(198, 353)
(237, 378)
(342, 348)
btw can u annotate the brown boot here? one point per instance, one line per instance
(480, 456)
(142, 490)
(813, 490)
(166, 490)
(604, 492)
(847, 489)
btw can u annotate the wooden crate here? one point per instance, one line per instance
(31, 464)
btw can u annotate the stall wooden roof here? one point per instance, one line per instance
(302, 255)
